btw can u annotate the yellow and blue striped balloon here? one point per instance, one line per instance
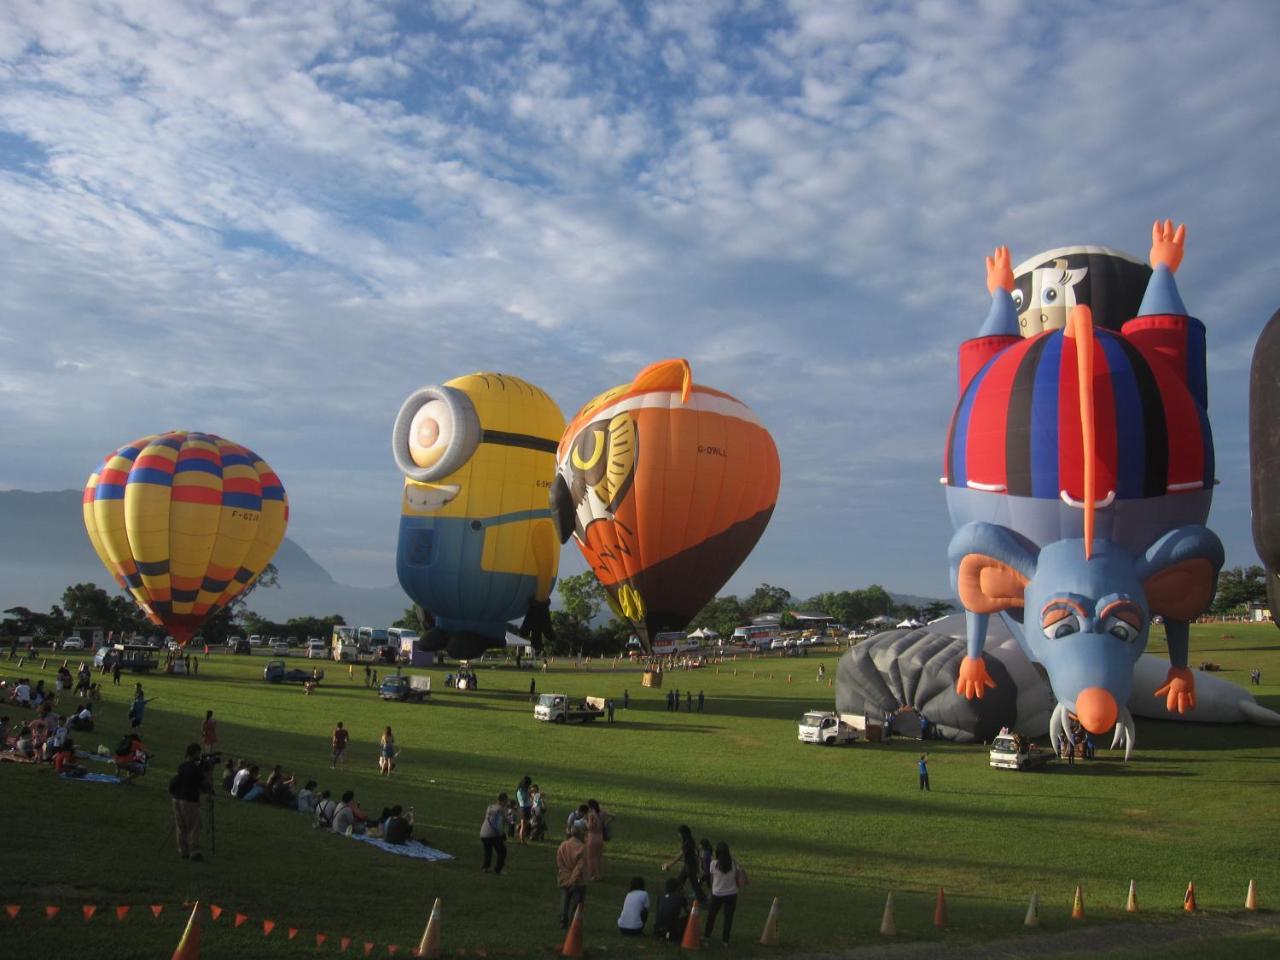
(184, 522)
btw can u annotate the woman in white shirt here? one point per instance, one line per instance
(635, 910)
(727, 878)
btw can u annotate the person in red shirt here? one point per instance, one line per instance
(339, 740)
(209, 732)
(64, 761)
(131, 757)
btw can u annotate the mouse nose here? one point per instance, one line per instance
(1096, 709)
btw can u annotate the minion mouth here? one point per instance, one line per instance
(428, 498)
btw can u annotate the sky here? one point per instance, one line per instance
(275, 221)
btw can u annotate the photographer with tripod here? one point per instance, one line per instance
(191, 780)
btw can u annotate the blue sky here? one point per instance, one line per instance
(274, 225)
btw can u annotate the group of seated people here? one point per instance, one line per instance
(342, 816)
(39, 739)
(669, 918)
(23, 694)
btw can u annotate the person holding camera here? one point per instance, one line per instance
(191, 780)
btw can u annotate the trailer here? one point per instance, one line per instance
(558, 708)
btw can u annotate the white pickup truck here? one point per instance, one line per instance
(558, 708)
(828, 728)
(1011, 751)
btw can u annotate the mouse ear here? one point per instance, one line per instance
(1180, 572)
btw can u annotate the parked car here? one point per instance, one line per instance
(316, 649)
(255, 641)
(73, 643)
(242, 646)
(279, 649)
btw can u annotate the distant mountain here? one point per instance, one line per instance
(44, 549)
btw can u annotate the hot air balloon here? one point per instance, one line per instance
(1079, 473)
(1264, 455)
(1047, 286)
(185, 522)
(666, 486)
(477, 547)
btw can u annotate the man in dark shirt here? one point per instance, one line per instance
(399, 828)
(185, 788)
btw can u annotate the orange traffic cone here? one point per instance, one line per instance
(1189, 898)
(573, 940)
(1251, 898)
(1033, 911)
(429, 945)
(189, 946)
(769, 937)
(1132, 905)
(693, 930)
(888, 928)
(940, 909)
(1077, 905)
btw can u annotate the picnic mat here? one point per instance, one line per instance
(92, 778)
(418, 851)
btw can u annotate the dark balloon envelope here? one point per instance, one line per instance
(1264, 453)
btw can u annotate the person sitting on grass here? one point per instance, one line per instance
(306, 799)
(82, 721)
(228, 775)
(53, 743)
(64, 761)
(24, 744)
(326, 807)
(21, 693)
(131, 757)
(348, 816)
(672, 913)
(279, 789)
(635, 910)
(250, 788)
(398, 828)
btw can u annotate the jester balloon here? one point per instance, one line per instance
(185, 522)
(1079, 472)
(666, 486)
(477, 546)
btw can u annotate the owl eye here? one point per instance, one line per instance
(435, 433)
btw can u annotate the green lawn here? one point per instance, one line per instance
(827, 831)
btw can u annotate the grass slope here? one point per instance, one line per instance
(828, 831)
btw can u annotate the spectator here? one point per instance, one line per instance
(209, 732)
(184, 790)
(524, 800)
(701, 701)
(64, 761)
(115, 673)
(669, 920)
(53, 743)
(727, 878)
(339, 742)
(326, 807)
(608, 706)
(626, 699)
(571, 873)
(386, 753)
(688, 701)
(83, 720)
(688, 859)
(923, 766)
(537, 813)
(307, 799)
(228, 775)
(635, 910)
(576, 816)
(345, 818)
(705, 855)
(491, 834)
(398, 828)
(246, 786)
(138, 709)
(597, 823)
(131, 757)
(279, 788)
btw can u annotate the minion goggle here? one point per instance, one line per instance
(438, 430)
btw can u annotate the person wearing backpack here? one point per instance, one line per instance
(326, 807)
(492, 834)
(727, 878)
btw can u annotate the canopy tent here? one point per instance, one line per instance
(703, 633)
(909, 624)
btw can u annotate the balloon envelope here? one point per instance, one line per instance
(185, 522)
(666, 486)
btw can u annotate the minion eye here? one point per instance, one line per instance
(430, 432)
(435, 433)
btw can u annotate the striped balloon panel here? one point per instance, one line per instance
(1017, 427)
(273, 517)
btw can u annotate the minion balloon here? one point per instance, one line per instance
(477, 546)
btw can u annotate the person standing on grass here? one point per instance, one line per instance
(597, 823)
(524, 800)
(339, 742)
(386, 753)
(727, 878)
(608, 706)
(688, 701)
(701, 701)
(626, 699)
(367, 671)
(115, 673)
(491, 834)
(571, 874)
(138, 709)
(688, 858)
(185, 788)
(209, 732)
(533, 689)
(923, 766)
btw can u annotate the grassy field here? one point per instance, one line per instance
(827, 831)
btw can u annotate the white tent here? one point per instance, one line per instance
(910, 625)
(515, 640)
(703, 633)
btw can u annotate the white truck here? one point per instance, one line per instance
(1011, 751)
(343, 643)
(558, 708)
(828, 728)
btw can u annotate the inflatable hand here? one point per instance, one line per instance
(973, 679)
(1179, 690)
(999, 271)
(1167, 244)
